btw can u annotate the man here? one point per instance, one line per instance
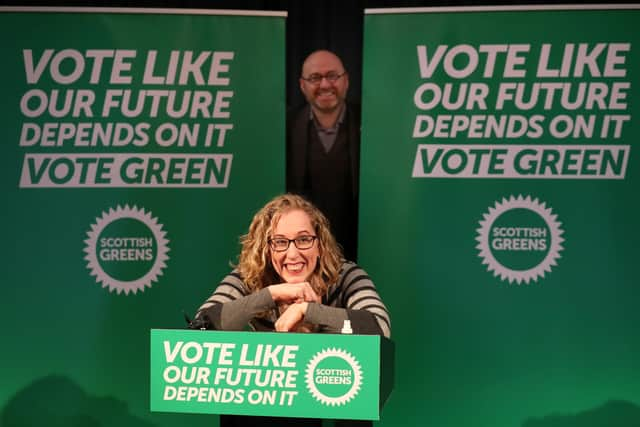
(323, 146)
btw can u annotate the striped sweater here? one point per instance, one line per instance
(353, 296)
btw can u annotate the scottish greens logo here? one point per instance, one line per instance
(519, 239)
(126, 249)
(333, 377)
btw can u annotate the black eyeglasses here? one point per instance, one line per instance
(281, 244)
(331, 77)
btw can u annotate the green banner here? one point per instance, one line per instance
(499, 212)
(136, 145)
(273, 374)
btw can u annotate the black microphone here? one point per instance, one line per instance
(201, 323)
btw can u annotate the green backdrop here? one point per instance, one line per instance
(501, 227)
(121, 210)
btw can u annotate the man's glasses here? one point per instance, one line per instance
(331, 77)
(281, 244)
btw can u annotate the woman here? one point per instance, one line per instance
(291, 277)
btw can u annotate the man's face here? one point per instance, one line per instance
(324, 95)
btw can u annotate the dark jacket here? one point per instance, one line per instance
(298, 127)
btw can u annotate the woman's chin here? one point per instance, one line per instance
(295, 277)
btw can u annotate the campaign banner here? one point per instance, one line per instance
(499, 175)
(136, 146)
(272, 374)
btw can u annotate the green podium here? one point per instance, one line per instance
(270, 374)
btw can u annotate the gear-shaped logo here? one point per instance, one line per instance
(136, 251)
(553, 249)
(327, 369)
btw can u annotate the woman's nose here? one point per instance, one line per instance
(292, 249)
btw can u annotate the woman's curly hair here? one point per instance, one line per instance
(255, 257)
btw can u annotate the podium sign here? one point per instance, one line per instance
(271, 374)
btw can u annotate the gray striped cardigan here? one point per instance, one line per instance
(353, 297)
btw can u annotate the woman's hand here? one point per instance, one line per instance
(292, 318)
(291, 293)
